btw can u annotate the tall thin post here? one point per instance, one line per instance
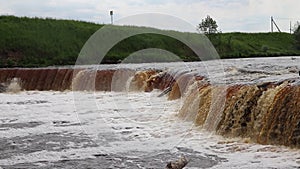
(272, 24)
(111, 17)
(290, 27)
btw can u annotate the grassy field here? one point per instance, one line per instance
(35, 42)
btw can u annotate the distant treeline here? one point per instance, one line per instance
(36, 42)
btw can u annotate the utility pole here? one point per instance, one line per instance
(272, 24)
(290, 27)
(111, 17)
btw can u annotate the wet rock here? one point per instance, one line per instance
(178, 164)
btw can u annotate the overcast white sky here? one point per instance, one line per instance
(231, 15)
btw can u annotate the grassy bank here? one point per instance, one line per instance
(35, 42)
(233, 45)
(41, 42)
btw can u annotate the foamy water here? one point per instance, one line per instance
(14, 86)
(118, 130)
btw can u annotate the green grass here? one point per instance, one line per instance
(233, 45)
(36, 42)
(41, 42)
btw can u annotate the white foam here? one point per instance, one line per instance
(124, 122)
(14, 86)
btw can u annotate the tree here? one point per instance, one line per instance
(208, 25)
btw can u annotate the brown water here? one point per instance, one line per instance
(255, 99)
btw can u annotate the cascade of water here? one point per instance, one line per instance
(268, 113)
(142, 81)
(120, 79)
(217, 105)
(128, 86)
(181, 85)
(281, 121)
(39, 79)
(189, 111)
(84, 80)
(14, 86)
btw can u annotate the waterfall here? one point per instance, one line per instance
(268, 113)
(84, 80)
(14, 86)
